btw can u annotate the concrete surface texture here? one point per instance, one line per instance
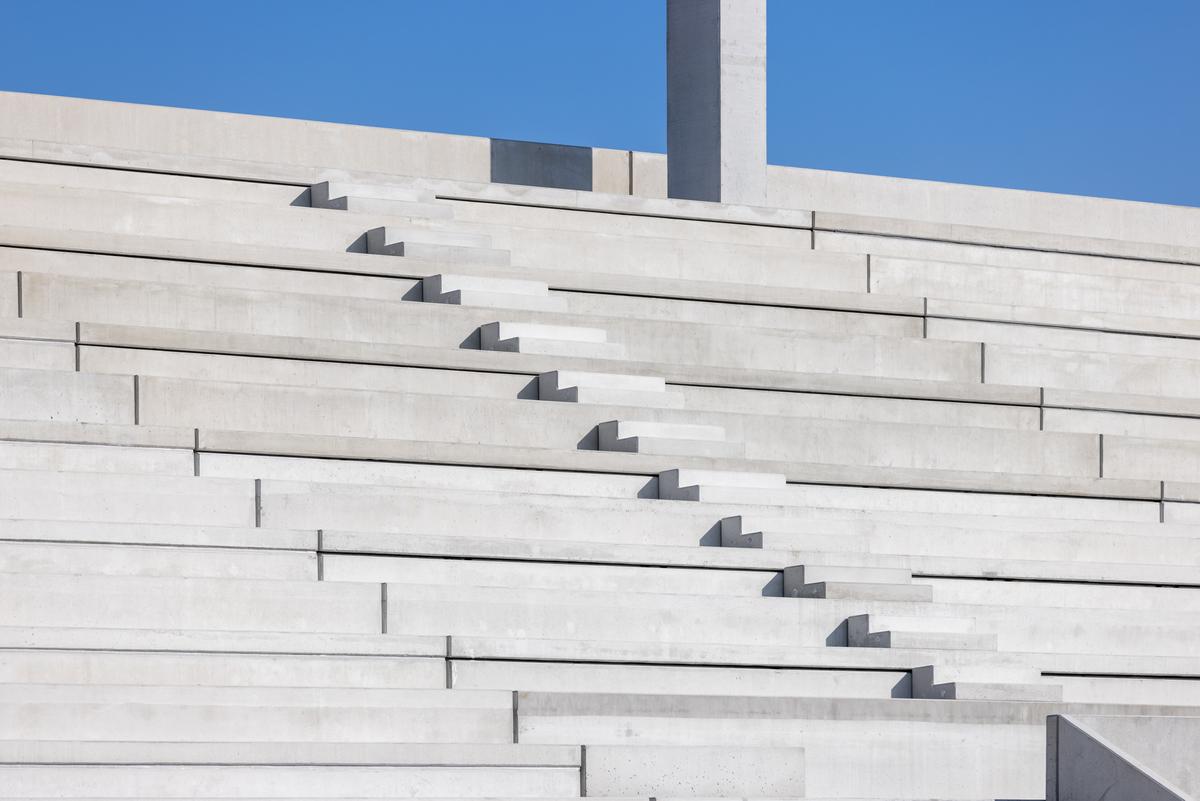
(348, 463)
(1082, 763)
(717, 100)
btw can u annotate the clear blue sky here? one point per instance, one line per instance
(1090, 97)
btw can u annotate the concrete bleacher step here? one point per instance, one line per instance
(384, 770)
(608, 389)
(925, 633)
(95, 665)
(866, 591)
(500, 293)
(218, 604)
(150, 560)
(287, 782)
(249, 714)
(986, 682)
(549, 340)
(705, 485)
(224, 537)
(327, 192)
(435, 246)
(389, 201)
(385, 239)
(531, 574)
(672, 439)
(45, 636)
(674, 679)
(126, 752)
(849, 582)
(130, 498)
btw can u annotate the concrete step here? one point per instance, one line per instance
(189, 603)
(377, 207)
(502, 300)
(253, 714)
(101, 666)
(491, 334)
(799, 575)
(146, 560)
(77, 635)
(633, 436)
(435, 247)
(132, 498)
(222, 537)
(291, 782)
(695, 485)
(392, 240)
(558, 347)
(549, 340)
(865, 591)
(847, 582)
(953, 551)
(931, 640)
(503, 293)
(563, 576)
(607, 389)
(972, 684)
(328, 192)
(119, 752)
(434, 286)
(674, 679)
(359, 200)
(987, 691)
(497, 545)
(923, 632)
(859, 626)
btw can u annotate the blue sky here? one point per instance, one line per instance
(1089, 97)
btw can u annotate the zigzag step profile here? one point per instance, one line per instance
(549, 340)
(635, 436)
(501, 293)
(349, 198)
(968, 684)
(849, 582)
(328, 194)
(609, 389)
(928, 633)
(691, 485)
(435, 246)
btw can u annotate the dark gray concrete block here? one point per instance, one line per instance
(539, 164)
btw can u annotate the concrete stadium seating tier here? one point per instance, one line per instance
(329, 469)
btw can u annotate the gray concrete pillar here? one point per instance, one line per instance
(717, 100)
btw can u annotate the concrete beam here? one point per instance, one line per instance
(717, 100)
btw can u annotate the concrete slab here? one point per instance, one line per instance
(692, 772)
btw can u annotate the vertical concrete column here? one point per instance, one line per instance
(717, 100)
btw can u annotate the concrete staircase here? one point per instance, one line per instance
(281, 514)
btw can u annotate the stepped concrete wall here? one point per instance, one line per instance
(333, 467)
